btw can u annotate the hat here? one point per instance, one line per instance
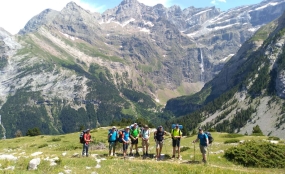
(146, 126)
(128, 127)
(135, 124)
(87, 130)
(177, 125)
(114, 127)
(160, 126)
(200, 129)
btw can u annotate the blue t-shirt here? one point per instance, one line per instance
(202, 137)
(113, 137)
(126, 136)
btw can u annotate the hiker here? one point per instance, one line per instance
(134, 134)
(112, 139)
(126, 140)
(145, 134)
(204, 142)
(159, 137)
(87, 140)
(176, 135)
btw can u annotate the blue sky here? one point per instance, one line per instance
(14, 14)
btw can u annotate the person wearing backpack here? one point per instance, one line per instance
(112, 139)
(159, 137)
(176, 135)
(204, 142)
(125, 140)
(145, 135)
(87, 139)
(134, 134)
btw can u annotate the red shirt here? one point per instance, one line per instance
(87, 138)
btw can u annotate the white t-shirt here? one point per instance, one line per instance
(145, 133)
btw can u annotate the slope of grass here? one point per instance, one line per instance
(56, 146)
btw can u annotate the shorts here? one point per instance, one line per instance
(203, 149)
(135, 141)
(159, 144)
(145, 143)
(176, 142)
(125, 146)
(112, 145)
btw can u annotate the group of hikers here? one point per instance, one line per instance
(131, 135)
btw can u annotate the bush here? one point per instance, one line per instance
(56, 139)
(257, 154)
(184, 149)
(233, 135)
(231, 141)
(33, 132)
(257, 134)
(273, 138)
(43, 145)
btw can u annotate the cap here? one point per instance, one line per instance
(135, 124)
(146, 126)
(87, 130)
(128, 127)
(160, 126)
(177, 125)
(114, 127)
(200, 129)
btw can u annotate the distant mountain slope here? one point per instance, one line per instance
(248, 91)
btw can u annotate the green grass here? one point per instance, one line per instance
(54, 146)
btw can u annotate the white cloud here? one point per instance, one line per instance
(216, 1)
(154, 2)
(14, 14)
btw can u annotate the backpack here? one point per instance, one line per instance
(81, 137)
(121, 133)
(174, 125)
(210, 138)
(110, 130)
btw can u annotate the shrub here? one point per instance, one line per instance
(273, 138)
(257, 154)
(184, 149)
(43, 145)
(257, 134)
(56, 139)
(233, 135)
(33, 132)
(231, 141)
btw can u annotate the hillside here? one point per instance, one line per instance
(247, 92)
(60, 154)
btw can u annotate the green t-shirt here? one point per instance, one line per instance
(135, 132)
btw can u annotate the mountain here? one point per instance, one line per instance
(70, 69)
(248, 91)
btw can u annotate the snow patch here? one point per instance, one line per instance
(36, 153)
(202, 12)
(68, 36)
(269, 4)
(229, 56)
(8, 157)
(145, 30)
(254, 29)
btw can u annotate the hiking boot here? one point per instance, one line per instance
(173, 156)
(131, 154)
(137, 154)
(146, 154)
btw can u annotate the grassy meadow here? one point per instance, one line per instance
(68, 150)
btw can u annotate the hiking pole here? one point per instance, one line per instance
(209, 153)
(194, 152)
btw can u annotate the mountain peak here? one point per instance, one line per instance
(129, 2)
(72, 6)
